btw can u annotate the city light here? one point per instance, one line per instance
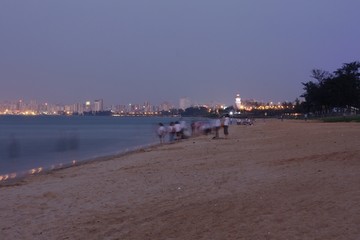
(96, 107)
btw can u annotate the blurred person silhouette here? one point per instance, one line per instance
(217, 126)
(193, 128)
(206, 128)
(73, 141)
(226, 125)
(184, 130)
(61, 142)
(67, 141)
(161, 132)
(13, 147)
(171, 131)
(178, 131)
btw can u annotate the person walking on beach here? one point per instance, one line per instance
(161, 131)
(226, 125)
(217, 124)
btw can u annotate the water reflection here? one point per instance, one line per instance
(67, 141)
(13, 147)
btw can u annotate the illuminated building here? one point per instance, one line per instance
(98, 105)
(20, 105)
(87, 106)
(78, 108)
(165, 106)
(238, 101)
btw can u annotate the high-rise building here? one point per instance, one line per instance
(165, 106)
(20, 105)
(68, 109)
(78, 108)
(88, 106)
(98, 105)
(147, 107)
(238, 101)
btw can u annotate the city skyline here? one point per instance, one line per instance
(177, 104)
(34, 107)
(156, 51)
(181, 103)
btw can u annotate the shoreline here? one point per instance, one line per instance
(273, 180)
(13, 178)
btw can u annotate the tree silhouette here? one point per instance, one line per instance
(338, 90)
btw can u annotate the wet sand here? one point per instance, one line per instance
(273, 180)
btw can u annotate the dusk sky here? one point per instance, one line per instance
(140, 50)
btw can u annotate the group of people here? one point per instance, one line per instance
(224, 122)
(178, 130)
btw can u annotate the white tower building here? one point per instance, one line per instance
(238, 101)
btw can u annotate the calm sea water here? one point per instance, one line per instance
(44, 141)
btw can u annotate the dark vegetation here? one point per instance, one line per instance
(333, 92)
(342, 119)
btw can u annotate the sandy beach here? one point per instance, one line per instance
(274, 180)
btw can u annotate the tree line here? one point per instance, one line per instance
(328, 91)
